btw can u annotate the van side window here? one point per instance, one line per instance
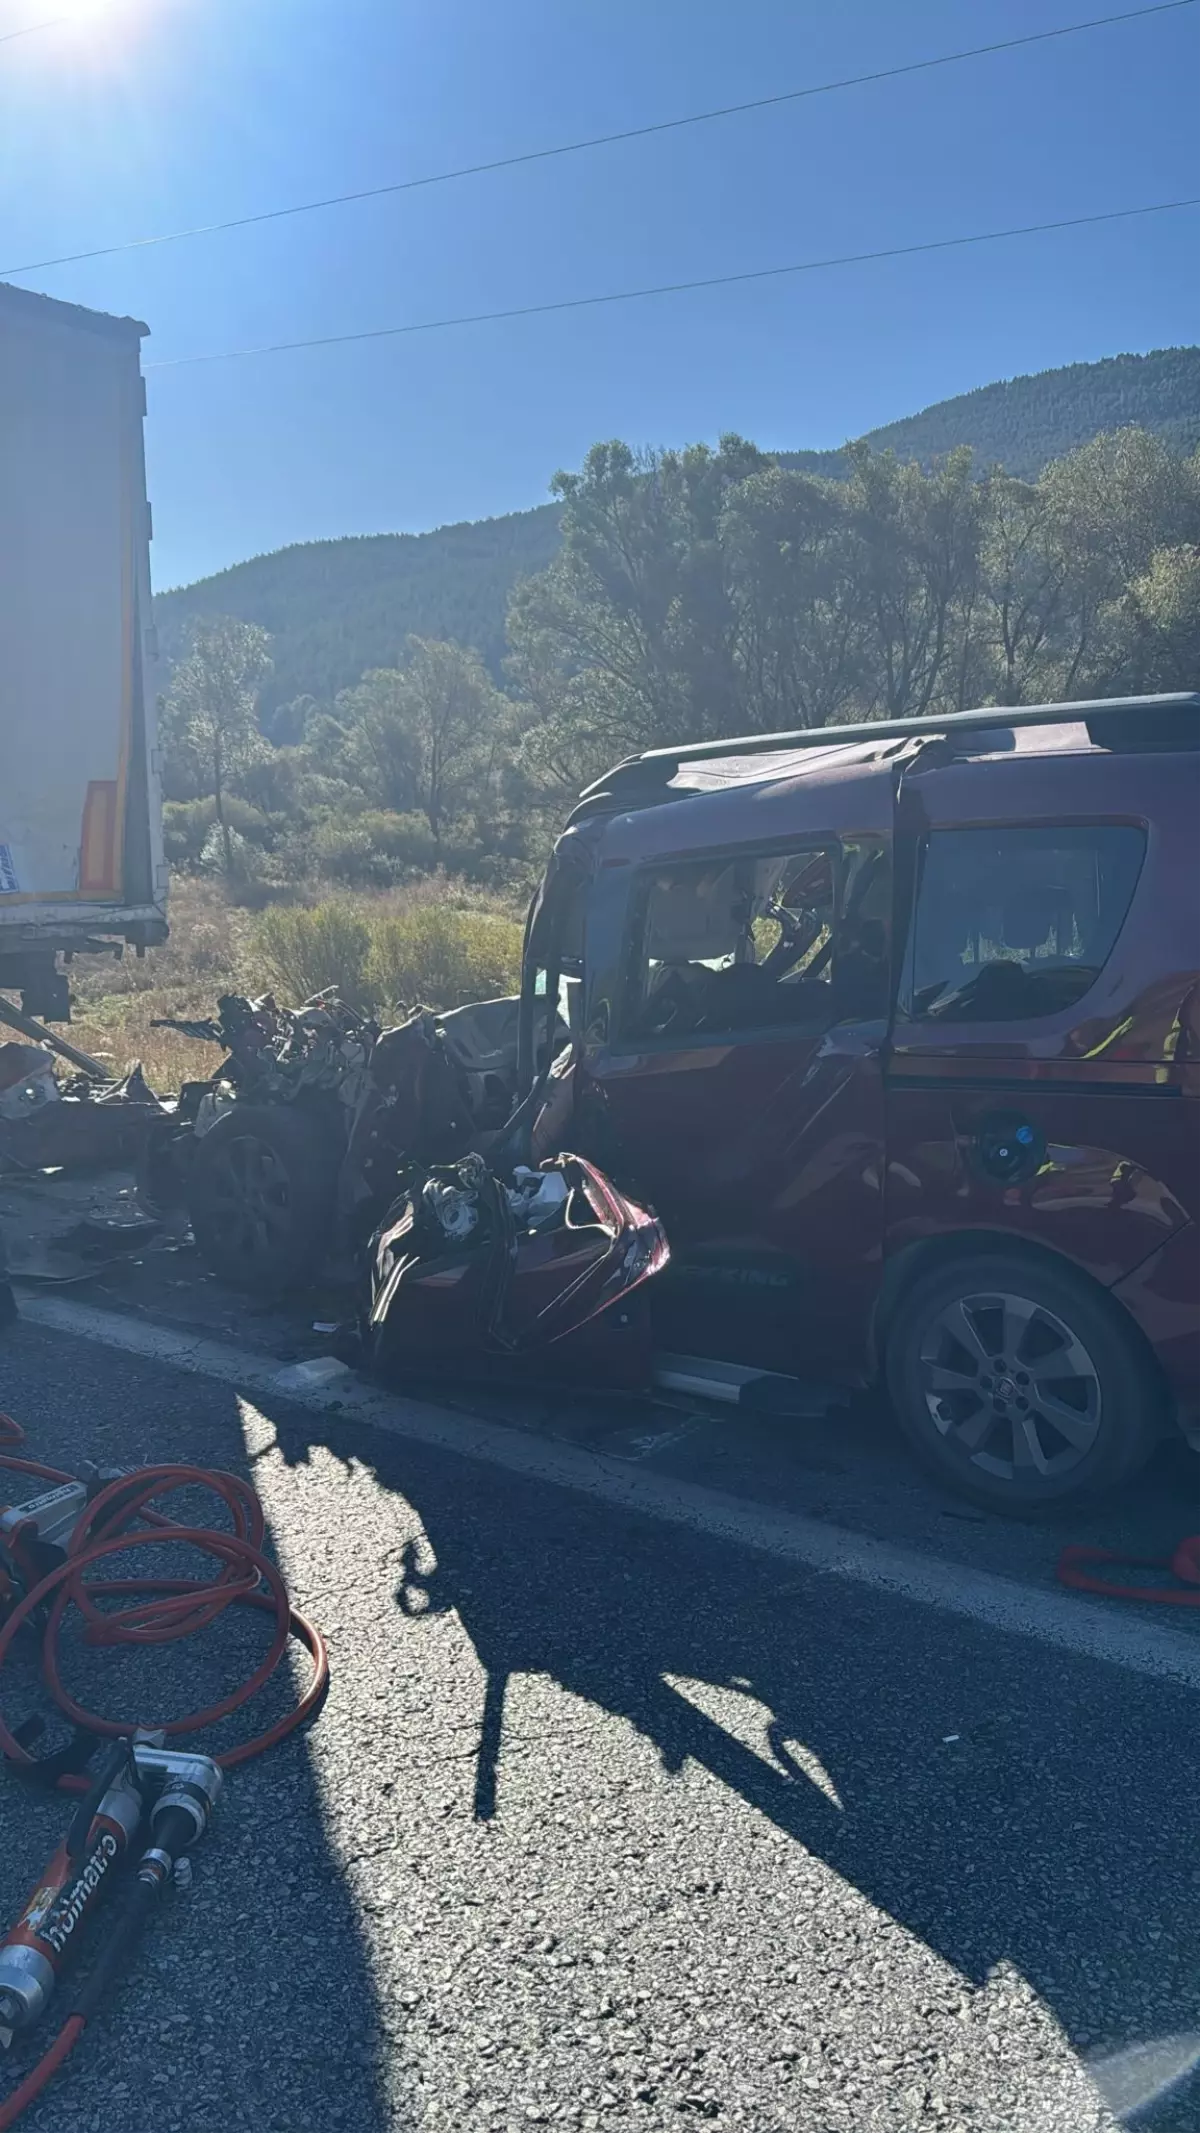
(1012, 923)
(754, 942)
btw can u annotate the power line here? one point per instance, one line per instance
(55, 22)
(599, 140)
(676, 288)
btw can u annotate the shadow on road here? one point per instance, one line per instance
(1047, 1832)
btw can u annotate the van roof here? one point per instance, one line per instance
(1124, 724)
(715, 773)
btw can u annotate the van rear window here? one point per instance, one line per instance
(1014, 923)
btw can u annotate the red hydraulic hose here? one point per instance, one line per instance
(1183, 1563)
(40, 2075)
(164, 1610)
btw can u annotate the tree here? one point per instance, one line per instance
(917, 539)
(703, 592)
(637, 623)
(1161, 617)
(1111, 505)
(789, 541)
(426, 736)
(285, 725)
(455, 717)
(368, 742)
(1024, 573)
(210, 709)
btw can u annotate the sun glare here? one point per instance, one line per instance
(101, 33)
(100, 14)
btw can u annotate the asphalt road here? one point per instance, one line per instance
(849, 1466)
(609, 1824)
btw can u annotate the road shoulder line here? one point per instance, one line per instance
(1085, 1628)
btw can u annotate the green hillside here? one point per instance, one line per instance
(1021, 423)
(334, 608)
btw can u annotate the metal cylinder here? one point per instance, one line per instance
(37, 1948)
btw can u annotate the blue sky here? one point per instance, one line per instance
(153, 115)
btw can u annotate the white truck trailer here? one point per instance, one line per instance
(81, 854)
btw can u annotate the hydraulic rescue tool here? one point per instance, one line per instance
(146, 1802)
(34, 1535)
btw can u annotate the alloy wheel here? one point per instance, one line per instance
(1007, 1382)
(248, 1201)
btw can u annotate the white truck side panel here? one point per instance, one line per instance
(76, 699)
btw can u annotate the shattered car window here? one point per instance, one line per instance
(735, 943)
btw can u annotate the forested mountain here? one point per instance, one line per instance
(333, 609)
(1023, 423)
(692, 592)
(336, 608)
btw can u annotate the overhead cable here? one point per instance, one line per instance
(674, 288)
(598, 140)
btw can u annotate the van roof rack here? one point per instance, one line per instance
(1123, 722)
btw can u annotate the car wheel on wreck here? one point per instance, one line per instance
(261, 1190)
(1018, 1383)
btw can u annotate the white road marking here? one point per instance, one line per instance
(1088, 1629)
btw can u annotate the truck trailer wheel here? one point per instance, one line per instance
(1018, 1383)
(261, 1190)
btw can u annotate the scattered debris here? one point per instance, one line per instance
(78, 1124)
(294, 1146)
(61, 1228)
(121, 1231)
(311, 1375)
(26, 1081)
(16, 1018)
(319, 1135)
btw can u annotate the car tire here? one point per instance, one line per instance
(1018, 1383)
(261, 1191)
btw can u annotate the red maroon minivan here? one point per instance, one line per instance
(897, 1027)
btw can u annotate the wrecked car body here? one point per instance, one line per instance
(295, 1146)
(896, 1028)
(81, 1124)
(319, 1129)
(544, 1272)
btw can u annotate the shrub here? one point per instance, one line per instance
(340, 848)
(406, 840)
(303, 951)
(238, 861)
(188, 826)
(370, 847)
(428, 954)
(434, 956)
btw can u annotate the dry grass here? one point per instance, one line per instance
(115, 1003)
(217, 947)
(116, 1030)
(208, 947)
